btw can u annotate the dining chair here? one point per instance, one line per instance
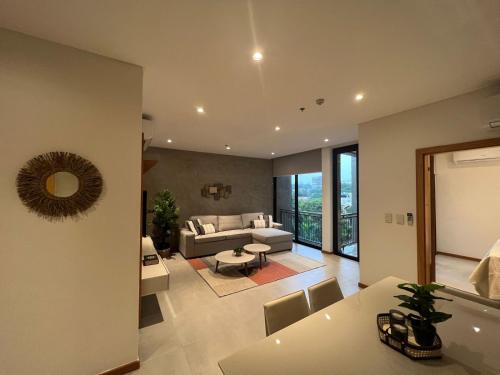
(324, 294)
(284, 311)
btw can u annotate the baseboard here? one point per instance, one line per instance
(123, 369)
(362, 286)
(458, 256)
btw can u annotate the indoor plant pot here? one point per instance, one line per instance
(422, 302)
(423, 330)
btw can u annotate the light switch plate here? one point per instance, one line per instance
(400, 219)
(388, 218)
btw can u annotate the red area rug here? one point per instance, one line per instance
(232, 279)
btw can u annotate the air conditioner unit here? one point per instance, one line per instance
(147, 131)
(490, 111)
(477, 155)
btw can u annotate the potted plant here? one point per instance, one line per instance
(238, 251)
(422, 301)
(165, 215)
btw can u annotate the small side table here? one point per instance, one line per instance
(258, 248)
(227, 257)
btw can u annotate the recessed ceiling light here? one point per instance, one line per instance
(326, 140)
(272, 153)
(476, 329)
(359, 97)
(228, 147)
(169, 140)
(200, 109)
(257, 56)
(277, 128)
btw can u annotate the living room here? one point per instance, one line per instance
(243, 187)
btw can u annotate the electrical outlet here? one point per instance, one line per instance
(388, 218)
(400, 219)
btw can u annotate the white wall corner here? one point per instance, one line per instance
(327, 211)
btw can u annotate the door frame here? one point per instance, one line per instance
(426, 212)
(336, 190)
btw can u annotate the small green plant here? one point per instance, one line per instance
(165, 215)
(238, 251)
(422, 301)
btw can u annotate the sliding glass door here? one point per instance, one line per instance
(298, 206)
(345, 202)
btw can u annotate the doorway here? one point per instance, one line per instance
(345, 202)
(298, 206)
(427, 223)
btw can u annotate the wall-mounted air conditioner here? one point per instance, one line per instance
(477, 155)
(490, 112)
(147, 130)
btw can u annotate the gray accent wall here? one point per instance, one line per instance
(304, 162)
(185, 173)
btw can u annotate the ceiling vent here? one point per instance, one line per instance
(477, 155)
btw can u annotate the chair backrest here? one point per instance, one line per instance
(284, 311)
(324, 294)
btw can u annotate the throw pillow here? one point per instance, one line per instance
(208, 228)
(190, 225)
(258, 223)
(268, 219)
(199, 226)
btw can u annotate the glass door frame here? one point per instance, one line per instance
(336, 152)
(296, 211)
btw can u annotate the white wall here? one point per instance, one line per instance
(387, 177)
(69, 291)
(327, 207)
(467, 206)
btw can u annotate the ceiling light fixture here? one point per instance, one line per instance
(359, 97)
(277, 128)
(169, 140)
(272, 153)
(326, 139)
(200, 109)
(228, 147)
(257, 56)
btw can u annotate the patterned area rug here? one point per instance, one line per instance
(231, 278)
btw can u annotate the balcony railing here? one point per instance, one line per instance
(310, 227)
(348, 229)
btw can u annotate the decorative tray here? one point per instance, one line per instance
(408, 347)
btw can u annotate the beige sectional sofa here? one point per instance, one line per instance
(232, 231)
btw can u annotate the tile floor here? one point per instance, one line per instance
(200, 328)
(455, 272)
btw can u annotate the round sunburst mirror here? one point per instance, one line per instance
(57, 185)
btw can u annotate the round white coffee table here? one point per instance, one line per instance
(228, 257)
(258, 248)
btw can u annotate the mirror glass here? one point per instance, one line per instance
(62, 184)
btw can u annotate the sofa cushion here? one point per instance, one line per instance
(247, 218)
(212, 237)
(237, 233)
(207, 219)
(271, 235)
(230, 222)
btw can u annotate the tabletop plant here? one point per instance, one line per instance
(238, 251)
(422, 302)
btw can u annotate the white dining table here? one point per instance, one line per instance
(343, 339)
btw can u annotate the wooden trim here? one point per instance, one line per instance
(123, 369)
(458, 256)
(362, 286)
(422, 267)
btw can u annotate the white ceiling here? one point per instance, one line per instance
(402, 54)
